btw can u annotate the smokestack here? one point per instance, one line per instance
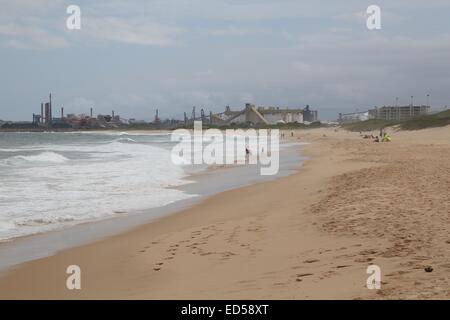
(62, 113)
(50, 106)
(91, 112)
(42, 112)
(47, 112)
(113, 114)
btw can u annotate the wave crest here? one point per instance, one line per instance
(44, 157)
(126, 140)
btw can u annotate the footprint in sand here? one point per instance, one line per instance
(364, 259)
(302, 275)
(311, 261)
(368, 252)
(343, 266)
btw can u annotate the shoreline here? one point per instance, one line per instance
(202, 184)
(310, 235)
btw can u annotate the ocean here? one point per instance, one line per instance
(50, 181)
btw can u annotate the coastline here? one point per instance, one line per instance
(310, 235)
(202, 183)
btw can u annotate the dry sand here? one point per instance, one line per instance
(309, 235)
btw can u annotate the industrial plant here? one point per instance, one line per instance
(46, 120)
(264, 115)
(250, 115)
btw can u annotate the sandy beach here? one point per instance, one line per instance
(310, 235)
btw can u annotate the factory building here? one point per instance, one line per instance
(46, 113)
(310, 115)
(262, 115)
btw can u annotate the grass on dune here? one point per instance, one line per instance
(440, 119)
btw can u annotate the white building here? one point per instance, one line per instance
(354, 117)
(260, 115)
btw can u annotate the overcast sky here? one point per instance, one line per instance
(136, 56)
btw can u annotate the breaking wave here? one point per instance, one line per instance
(126, 140)
(44, 157)
(59, 180)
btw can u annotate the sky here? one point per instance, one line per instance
(138, 56)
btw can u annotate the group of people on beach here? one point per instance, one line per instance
(383, 137)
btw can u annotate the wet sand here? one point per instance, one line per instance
(309, 235)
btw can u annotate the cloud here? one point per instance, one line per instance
(41, 24)
(226, 52)
(237, 31)
(25, 36)
(140, 32)
(388, 18)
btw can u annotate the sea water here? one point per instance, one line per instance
(53, 180)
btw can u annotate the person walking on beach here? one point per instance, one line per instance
(247, 153)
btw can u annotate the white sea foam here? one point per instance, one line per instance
(50, 157)
(71, 183)
(129, 140)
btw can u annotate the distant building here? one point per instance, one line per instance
(398, 113)
(134, 121)
(310, 115)
(60, 123)
(275, 115)
(262, 115)
(157, 119)
(104, 118)
(353, 117)
(19, 125)
(390, 113)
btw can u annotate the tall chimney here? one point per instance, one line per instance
(47, 112)
(91, 112)
(113, 114)
(42, 112)
(50, 106)
(62, 113)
